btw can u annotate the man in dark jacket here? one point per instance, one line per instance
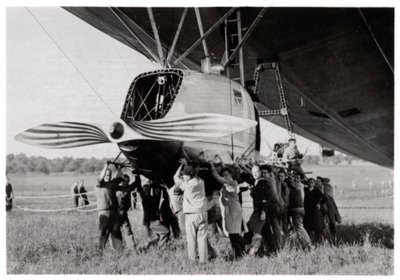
(82, 193)
(296, 210)
(107, 205)
(264, 219)
(282, 179)
(332, 213)
(313, 203)
(153, 196)
(124, 204)
(78, 190)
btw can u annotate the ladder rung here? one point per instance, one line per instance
(233, 35)
(232, 20)
(269, 113)
(271, 65)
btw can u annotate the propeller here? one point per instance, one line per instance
(63, 135)
(187, 128)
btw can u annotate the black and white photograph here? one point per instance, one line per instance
(182, 138)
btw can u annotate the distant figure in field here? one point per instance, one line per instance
(75, 193)
(78, 190)
(82, 192)
(9, 196)
(293, 156)
(107, 205)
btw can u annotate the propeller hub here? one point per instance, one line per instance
(116, 130)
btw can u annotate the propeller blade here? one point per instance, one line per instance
(191, 127)
(63, 135)
(187, 128)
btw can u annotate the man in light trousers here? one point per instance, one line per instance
(195, 208)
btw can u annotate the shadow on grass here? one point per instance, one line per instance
(376, 234)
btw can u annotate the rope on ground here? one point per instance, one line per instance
(88, 211)
(56, 210)
(344, 207)
(51, 196)
(364, 207)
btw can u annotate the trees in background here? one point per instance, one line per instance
(22, 164)
(338, 158)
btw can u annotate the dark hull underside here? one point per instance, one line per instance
(336, 71)
(159, 161)
(154, 159)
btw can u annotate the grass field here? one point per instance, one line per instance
(66, 242)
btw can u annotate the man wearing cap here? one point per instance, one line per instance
(195, 206)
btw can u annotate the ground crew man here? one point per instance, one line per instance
(264, 219)
(153, 196)
(296, 210)
(107, 205)
(195, 207)
(123, 194)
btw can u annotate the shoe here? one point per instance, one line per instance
(252, 250)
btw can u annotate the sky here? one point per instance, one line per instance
(43, 86)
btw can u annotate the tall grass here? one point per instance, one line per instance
(66, 243)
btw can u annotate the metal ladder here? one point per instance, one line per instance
(284, 111)
(233, 35)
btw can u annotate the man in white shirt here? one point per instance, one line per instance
(195, 206)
